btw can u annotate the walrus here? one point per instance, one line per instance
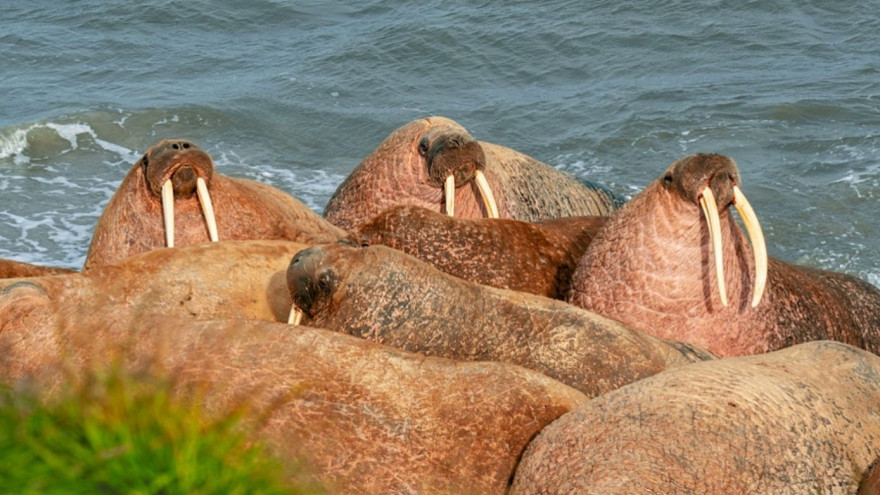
(387, 296)
(435, 163)
(16, 269)
(365, 418)
(673, 262)
(535, 257)
(172, 196)
(228, 279)
(802, 420)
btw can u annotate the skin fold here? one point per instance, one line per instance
(17, 269)
(229, 279)
(412, 165)
(653, 266)
(386, 296)
(534, 257)
(802, 420)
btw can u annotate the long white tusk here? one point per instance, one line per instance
(756, 235)
(168, 212)
(449, 189)
(296, 316)
(207, 208)
(710, 211)
(486, 193)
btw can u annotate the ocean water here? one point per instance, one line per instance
(296, 93)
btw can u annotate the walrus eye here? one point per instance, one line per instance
(667, 179)
(324, 282)
(423, 146)
(145, 161)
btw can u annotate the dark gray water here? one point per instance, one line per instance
(297, 93)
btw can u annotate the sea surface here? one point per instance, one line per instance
(296, 93)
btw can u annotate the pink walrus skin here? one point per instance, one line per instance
(655, 266)
(173, 196)
(365, 418)
(436, 164)
(801, 420)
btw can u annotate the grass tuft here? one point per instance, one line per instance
(116, 434)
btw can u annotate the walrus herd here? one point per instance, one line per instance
(466, 319)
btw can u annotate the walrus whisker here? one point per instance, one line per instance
(710, 211)
(756, 236)
(168, 212)
(486, 193)
(449, 189)
(296, 316)
(207, 208)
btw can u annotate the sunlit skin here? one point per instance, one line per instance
(675, 263)
(434, 163)
(173, 196)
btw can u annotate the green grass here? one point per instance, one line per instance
(114, 434)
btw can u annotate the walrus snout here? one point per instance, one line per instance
(309, 283)
(722, 184)
(712, 180)
(183, 181)
(168, 157)
(694, 173)
(457, 155)
(176, 169)
(453, 160)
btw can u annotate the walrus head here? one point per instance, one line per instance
(175, 169)
(712, 182)
(310, 282)
(453, 159)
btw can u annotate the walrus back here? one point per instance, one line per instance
(536, 191)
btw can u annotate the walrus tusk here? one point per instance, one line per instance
(168, 212)
(486, 192)
(756, 236)
(296, 316)
(710, 211)
(207, 208)
(449, 189)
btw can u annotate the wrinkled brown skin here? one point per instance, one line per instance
(652, 268)
(396, 173)
(538, 257)
(803, 420)
(366, 418)
(387, 296)
(17, 269)
(231, 279)
(244, 209)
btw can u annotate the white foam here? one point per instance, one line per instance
(312, 187)
(128, 155)
(70, 132)
(12, 145)
(15, 144)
